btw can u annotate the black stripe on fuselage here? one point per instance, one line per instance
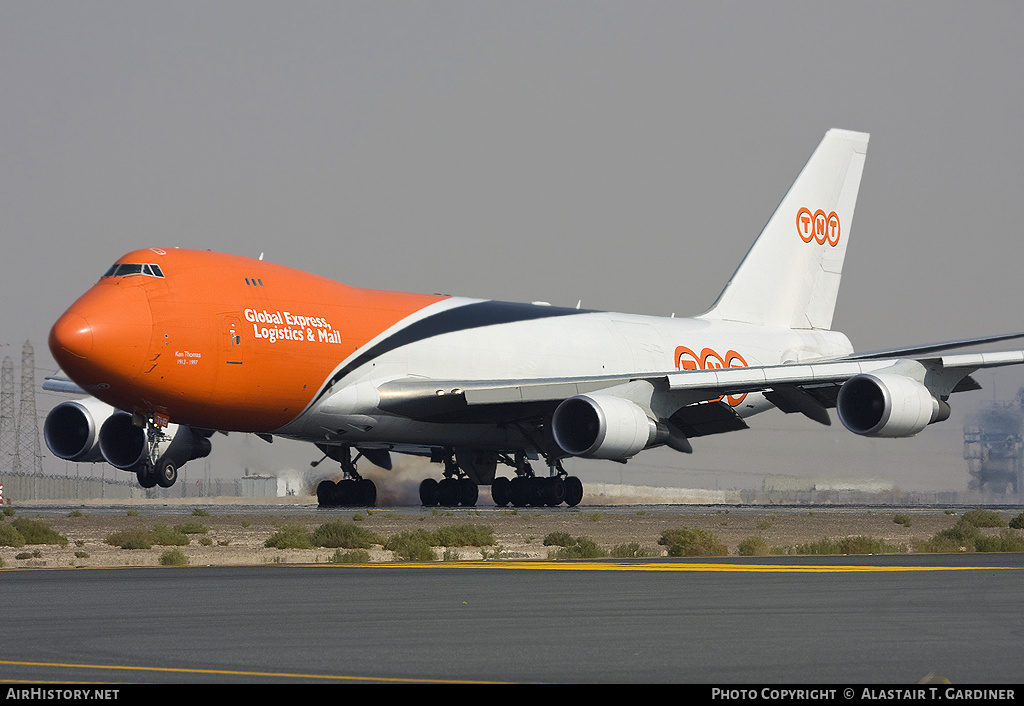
(461, 318)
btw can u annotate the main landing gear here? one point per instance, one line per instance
(455, 489)
(527, 489)
(352, 489)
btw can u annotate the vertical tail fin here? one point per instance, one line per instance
(790, 277)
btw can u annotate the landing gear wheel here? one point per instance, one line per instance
(554, 491)
(573, 491)
(428, 492)
(500, 491)
(448, 492)
(166, 472)
(536, 491)
(468, 492)
(146, 477)
(326, 493)
(519, 491)
(366, 490)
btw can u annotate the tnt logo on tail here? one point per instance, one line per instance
(817, 226)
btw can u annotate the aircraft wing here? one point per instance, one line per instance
(59, 383)
(808, 388)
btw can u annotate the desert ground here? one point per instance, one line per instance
(237, 533)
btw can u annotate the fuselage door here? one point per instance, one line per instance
(232, 341)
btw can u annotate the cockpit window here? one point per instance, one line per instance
(126, 269)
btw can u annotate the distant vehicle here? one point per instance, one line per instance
(175, 345)
(994, 446)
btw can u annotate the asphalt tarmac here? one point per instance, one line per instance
(836, 620)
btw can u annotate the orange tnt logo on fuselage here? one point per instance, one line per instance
(817, 226)
(709, 359)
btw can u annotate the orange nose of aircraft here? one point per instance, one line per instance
(103, 339)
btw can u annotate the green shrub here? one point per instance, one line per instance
(1007, 541)
(130, 539)
(559, 539)
(942, 545)
(688, 541)
(411, 546)
(847, 545)
(192, 528)
(463, 535)
(631, 550)
(290, 537)
(1018, 521)
(492, 554)
(200, 512)
(168, 537)
(82, 555)
(10, 537)
(346, 536)
(132, 513)
(983, 518)
(867, 545)
(822, 546)
(581, 548)
(137, 542)
(1012, 542)
(983, 543)
(173, 557)
(754, 546)
(902, 520)
(37, 532)
(961, 537)
(8, 511)
(352, 556)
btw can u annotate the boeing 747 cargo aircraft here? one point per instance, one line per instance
(171, 346)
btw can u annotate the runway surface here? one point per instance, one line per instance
(891, 619)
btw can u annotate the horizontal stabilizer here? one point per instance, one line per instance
(915, 351)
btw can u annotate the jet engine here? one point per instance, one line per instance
(72, 429)
(888, 405)
(124, 445)
(602, 426)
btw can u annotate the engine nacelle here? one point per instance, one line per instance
(72, 429)
(124, 445)
(888, 405)
(602, 426)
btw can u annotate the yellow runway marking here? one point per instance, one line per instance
(239, 673)
(662, 566)
(561, 566)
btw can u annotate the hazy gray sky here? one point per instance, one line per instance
(622, 153)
